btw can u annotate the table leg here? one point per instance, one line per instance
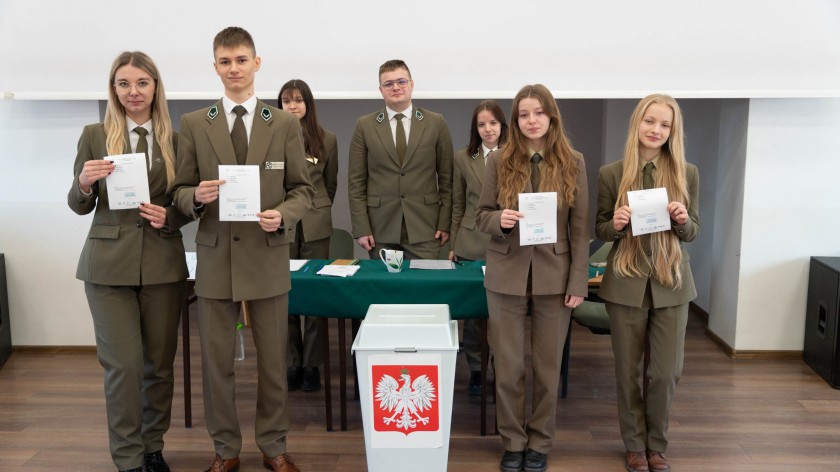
(342, 373)
(485, 360)
(185, 351)
(325, 336)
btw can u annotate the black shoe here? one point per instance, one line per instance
(475, 383)
(535, 461)
(154, 462)
(136, 469)
(512, 461)
(294, 377)
(311, 379)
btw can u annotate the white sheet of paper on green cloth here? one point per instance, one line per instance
(649, 210)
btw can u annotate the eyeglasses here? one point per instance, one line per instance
(391, 83)
(124, 86)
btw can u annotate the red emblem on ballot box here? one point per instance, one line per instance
(406, 398)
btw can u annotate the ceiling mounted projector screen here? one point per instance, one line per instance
(456, 49)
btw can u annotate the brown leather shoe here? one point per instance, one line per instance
(281, 463)
(224, 465)
(657, 461)
(636, 462)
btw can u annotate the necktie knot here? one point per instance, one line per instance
(648, 169)
(399, 116)
(141, 131)
(239, 110)
(536, 158)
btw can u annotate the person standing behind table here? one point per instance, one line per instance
(399, 175)
(550, 279)
(312, 233)
(488, 131)
(243, 260)
(133, 263)
(648, 281)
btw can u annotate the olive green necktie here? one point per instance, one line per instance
(401, 144)
(535, 172)
(647, 178)
(239, 136)
(143, 144)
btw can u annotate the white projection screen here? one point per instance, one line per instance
(52, 49)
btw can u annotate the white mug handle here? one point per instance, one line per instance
(382, 255)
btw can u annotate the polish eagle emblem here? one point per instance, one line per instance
(406, 401)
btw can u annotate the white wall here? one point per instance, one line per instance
(790, 213)
(39, 234)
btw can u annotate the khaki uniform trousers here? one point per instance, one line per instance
(269, 327)
(644, 421)
(549, 327)
(136, 331)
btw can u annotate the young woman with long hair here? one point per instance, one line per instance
(548, 280)
(648, 281)
(133, 263)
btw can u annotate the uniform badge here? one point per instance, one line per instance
(476, 154)
(213, 113)
(380, 117)
(312, 159)
(275, 165)
(265, 114)
(418, 115)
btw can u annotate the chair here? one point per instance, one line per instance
(341, 244)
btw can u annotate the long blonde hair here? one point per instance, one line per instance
(115, 112)
(562, 162)
(670, 173)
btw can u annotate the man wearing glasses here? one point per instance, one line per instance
(400, 173)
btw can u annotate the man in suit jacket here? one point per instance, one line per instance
(400, 173)
(243, 260)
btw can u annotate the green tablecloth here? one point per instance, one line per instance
(349, 297)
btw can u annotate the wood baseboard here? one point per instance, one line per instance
(55, 349)
(748, 354)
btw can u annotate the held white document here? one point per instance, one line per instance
(650, 210)
(239, 196)
(128, 185)
(539, 226)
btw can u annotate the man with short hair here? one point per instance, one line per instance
(400, 173)
(243, 260)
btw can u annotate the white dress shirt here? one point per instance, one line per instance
(406, 122)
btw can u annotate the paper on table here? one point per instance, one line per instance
(296, 264)
(433, 264)
(339, 270)
(128, 185)
(191, 264)
(649, 210)
(239, 196)
(539, 226)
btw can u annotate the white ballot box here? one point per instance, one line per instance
(405, 357)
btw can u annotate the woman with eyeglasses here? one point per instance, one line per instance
(525, 276)
(133, 263)
(488, 131)
(312, 234)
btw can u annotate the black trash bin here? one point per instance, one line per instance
(822, 339)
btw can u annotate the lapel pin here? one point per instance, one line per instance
(265, 114)
(213, 113)
(476, 154)
(380, 117)
(418, 115)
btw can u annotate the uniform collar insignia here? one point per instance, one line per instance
(418, 114)
(380, 117)
(213, 113)
(476, 154)
(265, 114)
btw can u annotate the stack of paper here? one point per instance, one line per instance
(433, 264)
(339, 270)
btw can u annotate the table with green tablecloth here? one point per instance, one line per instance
(342, 298)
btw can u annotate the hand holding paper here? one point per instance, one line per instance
(539, 222)
(650, 211)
